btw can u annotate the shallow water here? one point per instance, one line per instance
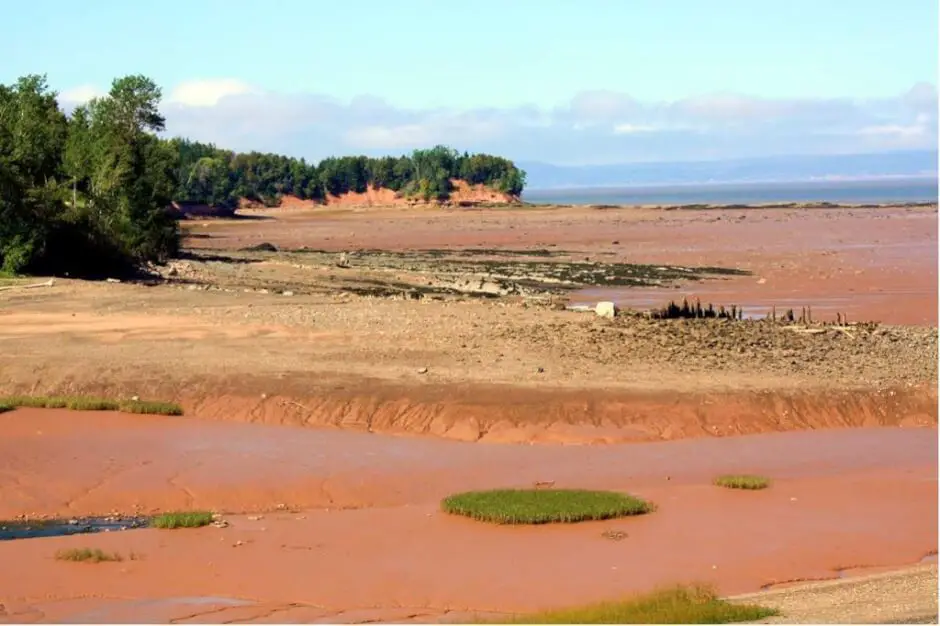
(59, 528)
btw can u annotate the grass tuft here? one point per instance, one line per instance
(679, 605)
(183, 519)
(742, 481)
(87, 555)
(151, 408)
(85, 403)
(543, 506)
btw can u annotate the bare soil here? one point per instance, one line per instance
(450, 326)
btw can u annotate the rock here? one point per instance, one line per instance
(113, 280)
(606, 309)
(255, 518)
(423, 370)
(540, 370)
(288, 293)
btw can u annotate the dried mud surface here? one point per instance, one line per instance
(482, 370)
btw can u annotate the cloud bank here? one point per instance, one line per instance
(594, 127)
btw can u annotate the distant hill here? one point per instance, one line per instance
(764, 169)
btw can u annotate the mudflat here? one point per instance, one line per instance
(340, 380)
(350, 523)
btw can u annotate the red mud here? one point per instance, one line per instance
(375, 545)
(872, 264)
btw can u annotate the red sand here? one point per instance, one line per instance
(376, 544)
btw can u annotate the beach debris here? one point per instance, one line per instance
(423, 370)
(342, 260)
(606, 309)
(614, 535)
(48, 283)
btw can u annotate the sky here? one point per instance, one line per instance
(561, 81)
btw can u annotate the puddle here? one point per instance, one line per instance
(33, 529)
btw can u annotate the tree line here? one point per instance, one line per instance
(209, 175)
(87, 194)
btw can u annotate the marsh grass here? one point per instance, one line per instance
(145, 407)
(182, 519)
(543, 506)
(86, 403)
(742, 481)
(679, 605)
(88, 555)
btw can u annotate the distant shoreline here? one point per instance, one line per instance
(880, 192)
(734, 206)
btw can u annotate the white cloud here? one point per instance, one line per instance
(895, 130)
(80, 94)
(630, 129)
(207, 93)
(593, 127)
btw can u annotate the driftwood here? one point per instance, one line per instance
(816, 331)
(48, 283)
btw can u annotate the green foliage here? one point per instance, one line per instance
(742, 481)
(106, 152)
(680, 605)
(183, 519)
(88, 195)
(543, 506)
(220, 178)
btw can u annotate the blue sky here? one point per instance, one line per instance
(565, 80)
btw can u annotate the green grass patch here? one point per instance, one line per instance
(87, 403)
(144, 407)
(742, 481)
(543, 506)
(87, 555)
(680, 605)
(183, 519)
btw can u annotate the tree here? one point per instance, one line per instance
(32, 138)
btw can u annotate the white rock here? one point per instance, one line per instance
(606, 309)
